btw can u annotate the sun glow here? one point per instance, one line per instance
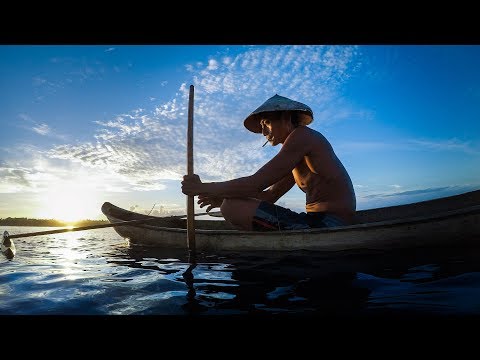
(69, 202)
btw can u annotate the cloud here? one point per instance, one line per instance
(408, 193)
(70, 71)
(453, 144)
(13, 179)
(26, 122)
(145, 147)
(142, 151)
(304, 72)
(39, 171)
(212, 64)
(369, 200)
(168, 110)
(450, 145)
(339, 110)
(356, 146)
(42, 129)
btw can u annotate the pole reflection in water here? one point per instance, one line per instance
(192, 306)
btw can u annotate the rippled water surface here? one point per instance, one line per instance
(98, 272)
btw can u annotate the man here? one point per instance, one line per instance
(306, 159)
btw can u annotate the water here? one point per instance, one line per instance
(96, 272)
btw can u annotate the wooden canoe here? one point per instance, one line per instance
(445, 222)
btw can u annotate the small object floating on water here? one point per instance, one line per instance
(7, 246)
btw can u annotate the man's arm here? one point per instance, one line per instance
(296, 146)
(277, 190)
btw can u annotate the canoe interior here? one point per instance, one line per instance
(384, 214)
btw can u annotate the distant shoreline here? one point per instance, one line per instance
(48, 222)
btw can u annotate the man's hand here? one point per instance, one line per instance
(210, 201)
(191, 185)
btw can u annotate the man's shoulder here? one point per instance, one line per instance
(307, 133)
(304, 138)
(310, 139)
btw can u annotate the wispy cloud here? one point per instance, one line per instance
(26, 122)
(13, 180)
(356, 146)
(366, 200)
(42, 129)
(340, 110)
(71, 71)
(142, 151)
(453, 144)
(447, 145)
(408, 193)
(169, 110)
(40, 171)
(43, 87)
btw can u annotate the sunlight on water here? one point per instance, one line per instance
(68, 252)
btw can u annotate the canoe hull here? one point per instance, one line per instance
(457, 227)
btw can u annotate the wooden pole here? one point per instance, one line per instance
(81, 228)
(190, 198)
(99, 226)
(8, 247)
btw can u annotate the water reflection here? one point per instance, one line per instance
(97, 273)
(193, 304)
(343, 284)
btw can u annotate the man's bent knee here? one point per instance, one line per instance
(230, 210)
(239, 212)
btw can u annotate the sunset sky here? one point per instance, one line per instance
(81, 125)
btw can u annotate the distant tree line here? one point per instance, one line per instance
(9, 221)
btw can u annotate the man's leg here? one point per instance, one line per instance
(240, 211)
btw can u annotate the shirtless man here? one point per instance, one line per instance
(306, 159)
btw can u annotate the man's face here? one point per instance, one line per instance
(274, 128)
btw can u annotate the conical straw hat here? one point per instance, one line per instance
(278, 103)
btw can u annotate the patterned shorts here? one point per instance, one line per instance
(271, 217)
